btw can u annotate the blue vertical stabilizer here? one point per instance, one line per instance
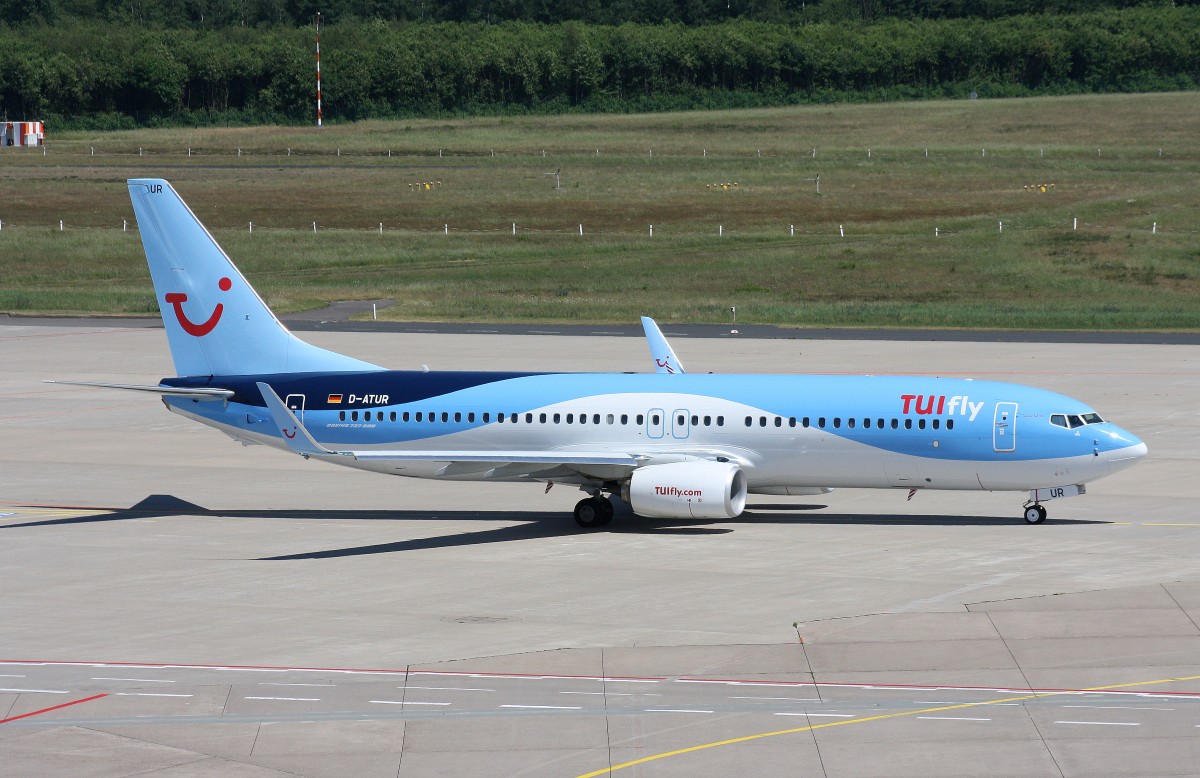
(216, 323)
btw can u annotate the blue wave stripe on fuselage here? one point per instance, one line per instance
(843, 397)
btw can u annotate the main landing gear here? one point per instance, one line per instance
(593, 512)
(1035, 513)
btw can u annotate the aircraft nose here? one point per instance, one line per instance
(1124, 456)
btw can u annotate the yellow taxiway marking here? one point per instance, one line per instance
(881, 717)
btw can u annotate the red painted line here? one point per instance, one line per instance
(56, 707)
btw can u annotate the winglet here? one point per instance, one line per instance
(294, 434)
(664, 358)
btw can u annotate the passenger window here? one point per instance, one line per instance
(624, 418)
(341, 415)
(610, 419)
(583, 418)
(445, 417)
(936, 424)
(850, 422)
(749, 421)
(762, 421)
(837, 422)
(720, 421)
(949, 424)
(695, 421)
(778, 421)
(392, 416)
(404, 416)
(804, 422)
(420, 416)
(558, 418)
(880, 424)
(379, 416)
(486, 417)
(570, 418)
(821, 422)
(708, 421)
(499, 418)
(655, 420)
(895, 423)
(791, 421)
(908, 424)
(354, 416)
(641, 419)
(542, 418)
(457, 416)
(595, 418)
(921, 424)
(471, 417)
(513, 418)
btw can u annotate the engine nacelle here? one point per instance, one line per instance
(681, 490)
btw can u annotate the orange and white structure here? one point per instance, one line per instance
(317, 25)
(22, 134)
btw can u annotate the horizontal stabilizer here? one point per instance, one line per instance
(168, 391)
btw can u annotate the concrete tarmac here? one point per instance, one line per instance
(131, 537)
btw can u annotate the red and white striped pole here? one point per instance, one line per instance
(318, 26)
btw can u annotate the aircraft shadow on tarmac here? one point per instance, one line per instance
(531, 526)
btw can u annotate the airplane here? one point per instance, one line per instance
(670, 445)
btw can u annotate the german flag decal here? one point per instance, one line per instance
(334, 399)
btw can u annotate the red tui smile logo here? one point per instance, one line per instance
(177, 299)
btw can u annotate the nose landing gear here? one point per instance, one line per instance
(1035, 513)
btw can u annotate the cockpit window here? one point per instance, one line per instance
(1075, 420)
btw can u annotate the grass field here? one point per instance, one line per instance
(1085, 254)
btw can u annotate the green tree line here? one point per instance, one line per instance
(116, 75)
(214, 14)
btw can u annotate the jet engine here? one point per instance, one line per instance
(680, 490)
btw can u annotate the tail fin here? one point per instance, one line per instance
(216, 323)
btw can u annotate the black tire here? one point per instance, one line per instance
(1035, 514)
(589, 513)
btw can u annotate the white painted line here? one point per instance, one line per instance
(950, 718)
(789, 699)
(138, 680)
(12, 676)
(740, 683)
(281, 683)
(1105, 723)
(627, 680)
(286, 699)
(446, 688)
(1115, 707)
(545, 707)
(831, 715)
(406, 702)
(675, 710)
(36, 691)
(939, 702)
(148, 694)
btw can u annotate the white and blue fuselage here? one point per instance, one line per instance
(671, 443)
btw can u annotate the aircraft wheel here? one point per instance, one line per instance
(590, 513)
(1035, 514)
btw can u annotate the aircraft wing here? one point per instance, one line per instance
(502, 463)
(664, 357)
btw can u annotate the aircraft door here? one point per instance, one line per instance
(295, 404)
(680, 428)
(1004, 428)
(654, 423)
